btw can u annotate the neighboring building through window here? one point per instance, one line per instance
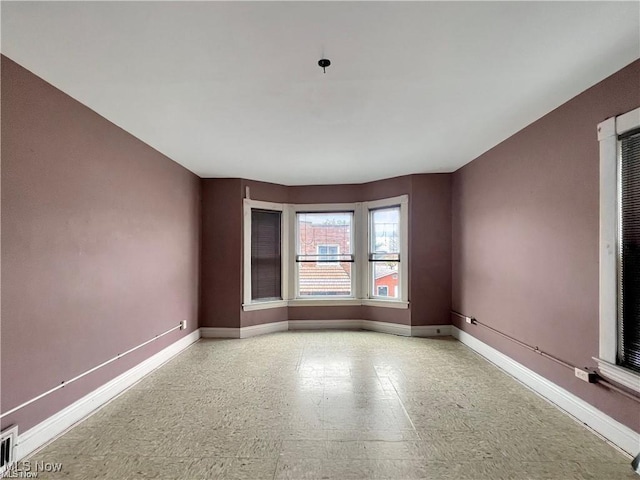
(384, 250)
(324, 253)
(329, 253)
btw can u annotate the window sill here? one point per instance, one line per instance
(248, 307)
(618, 374)
(321, 302)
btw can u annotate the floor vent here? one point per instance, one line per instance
(8, 439)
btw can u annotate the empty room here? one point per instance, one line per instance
(320, 240)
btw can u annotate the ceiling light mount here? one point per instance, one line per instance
(324, 63)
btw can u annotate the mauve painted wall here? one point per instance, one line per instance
(258, 317)
(429, 244)
(346, 193)
(221, 257)
(390, 187)
(525, 239)
(430, 247)
(100, 247)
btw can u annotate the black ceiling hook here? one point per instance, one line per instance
(324, 63)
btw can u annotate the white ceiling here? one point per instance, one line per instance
(233, 89)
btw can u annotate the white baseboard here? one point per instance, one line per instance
(431, 331)
(41, 434)
(383, 327)
(614, 431)
(252, 331)
(325, 324)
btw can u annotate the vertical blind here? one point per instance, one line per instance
(629, 266)
(266, 262)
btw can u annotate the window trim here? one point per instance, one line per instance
(403, 265)
(294, 285)
(371, 283)
(360, 238)
(608, 132)
(250, 304)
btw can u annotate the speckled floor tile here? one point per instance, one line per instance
(304, 449)
(373, 435)
(595, 470)
(297, 468)
(374, 449)
(458, 446)
(331, 405)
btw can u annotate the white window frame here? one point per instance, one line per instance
(312, 300)
(608, 132)
(360, 277)
(372, 279)
(403, 266)
(249, 303)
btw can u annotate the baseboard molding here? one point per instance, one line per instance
(617, 433)
(431, 331)
(43, 433)
(372, 325)
(386, 327)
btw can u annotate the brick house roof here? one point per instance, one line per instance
(318, 279)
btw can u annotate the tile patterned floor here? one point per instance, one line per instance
(331, 405)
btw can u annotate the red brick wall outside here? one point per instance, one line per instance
(310, 236)
(328, 278)
(390, 281)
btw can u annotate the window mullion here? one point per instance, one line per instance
(361, 240)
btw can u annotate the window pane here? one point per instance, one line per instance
(629, 288)
(330, 230)
(324, 253)
(385, 233)
(384, 252)
(385, 279)
(324, 279)
(265, 255)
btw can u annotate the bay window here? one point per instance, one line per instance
(329, 254)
